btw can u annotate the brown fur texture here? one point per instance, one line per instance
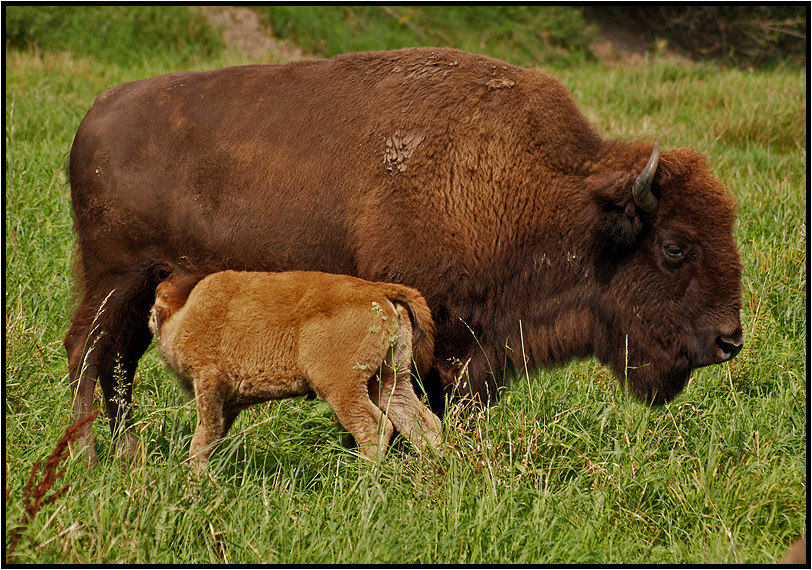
(478, 183)
(796, 553)
(242, 338)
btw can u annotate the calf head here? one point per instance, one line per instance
(170, 296)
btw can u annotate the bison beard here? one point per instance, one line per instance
(477, 183)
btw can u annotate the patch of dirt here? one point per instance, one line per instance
(620, 44)
(616, 45)
(243, 32)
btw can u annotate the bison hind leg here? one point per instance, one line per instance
(107, 337)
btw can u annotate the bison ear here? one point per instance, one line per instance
(617, 219)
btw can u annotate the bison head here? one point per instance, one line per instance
(667, 271)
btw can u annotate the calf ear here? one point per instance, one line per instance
(617, 220)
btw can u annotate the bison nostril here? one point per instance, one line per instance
(729, 346)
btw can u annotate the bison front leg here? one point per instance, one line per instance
(469, 377)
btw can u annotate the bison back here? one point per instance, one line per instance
(340, 165)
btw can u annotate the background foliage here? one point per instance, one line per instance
(561, 35)
(742, 35)
(521, 34)
(115, 34)
(565, 468)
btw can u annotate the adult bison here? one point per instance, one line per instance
(478, 183)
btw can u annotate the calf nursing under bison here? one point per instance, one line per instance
(241, 338)
(475, 182)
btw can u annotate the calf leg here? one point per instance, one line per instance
(398, 400)
(396, 395)
(212, 420)
(214, 416)
(350, 401)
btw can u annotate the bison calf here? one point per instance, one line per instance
(242, 338)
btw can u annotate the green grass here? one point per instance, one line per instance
(565, 468)
(123, 35)
(521, 34)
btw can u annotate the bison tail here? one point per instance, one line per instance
(422, 326)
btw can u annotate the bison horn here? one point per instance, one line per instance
(641, 191)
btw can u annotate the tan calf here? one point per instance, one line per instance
(242, 338)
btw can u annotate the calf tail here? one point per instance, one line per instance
(422, 325)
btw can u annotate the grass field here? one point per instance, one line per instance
(566, 468)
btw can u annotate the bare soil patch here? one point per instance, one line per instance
(244, 32)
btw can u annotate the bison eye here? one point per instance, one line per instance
(166, 295)
(674, 251)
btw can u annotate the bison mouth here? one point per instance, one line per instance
(717, 347)
(664, 373)
(661, 390)
(658, 381)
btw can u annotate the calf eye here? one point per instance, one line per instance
(674, 251)
(166, 295)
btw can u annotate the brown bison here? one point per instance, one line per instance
(475, 182)
(242, 338)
